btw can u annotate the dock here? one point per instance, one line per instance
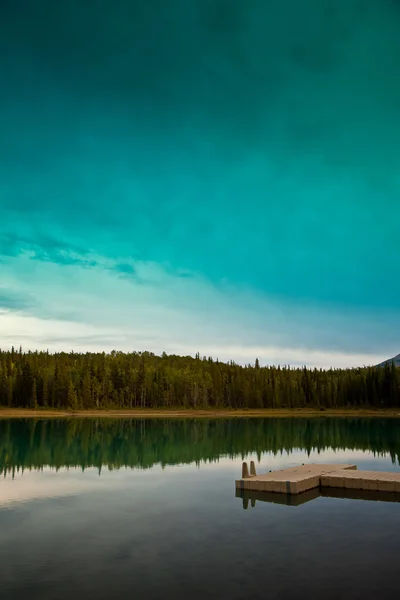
(303, 478)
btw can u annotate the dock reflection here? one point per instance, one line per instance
(249, 497)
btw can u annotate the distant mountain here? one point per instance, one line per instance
(395, 360)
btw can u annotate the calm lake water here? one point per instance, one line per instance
(147, 509)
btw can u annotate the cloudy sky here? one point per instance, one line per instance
(201, 175)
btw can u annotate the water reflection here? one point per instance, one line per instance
(141, 444)
(75, 523)
(250, 498)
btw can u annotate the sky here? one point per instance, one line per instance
(201, 175)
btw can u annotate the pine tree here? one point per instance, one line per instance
(34, 395)
(45, 391)
(86, 393)
(72, 400)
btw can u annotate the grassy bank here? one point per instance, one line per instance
(191, 413)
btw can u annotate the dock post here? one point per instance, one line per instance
(252, 469)
(245, 471)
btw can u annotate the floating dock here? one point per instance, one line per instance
(297, 480)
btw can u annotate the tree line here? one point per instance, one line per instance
(143, 443)
(143, 380)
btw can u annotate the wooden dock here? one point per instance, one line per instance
(297, 480)
(374, 481)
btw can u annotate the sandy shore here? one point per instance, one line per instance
(188, 413)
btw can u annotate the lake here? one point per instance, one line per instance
(99, 508)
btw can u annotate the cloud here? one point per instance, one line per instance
(125, 269)
(34, 333)
(11, 300)
(221, 170)
(94, 309)
(44, 248)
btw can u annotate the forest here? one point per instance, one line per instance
(143, 380)
(142, 443)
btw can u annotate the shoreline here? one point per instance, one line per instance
(22, 413)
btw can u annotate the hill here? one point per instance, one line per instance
(395, 360)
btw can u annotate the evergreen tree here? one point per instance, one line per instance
(72, 400)
(143, 380)
(34, 395)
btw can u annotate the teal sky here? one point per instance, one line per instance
(211, 175)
